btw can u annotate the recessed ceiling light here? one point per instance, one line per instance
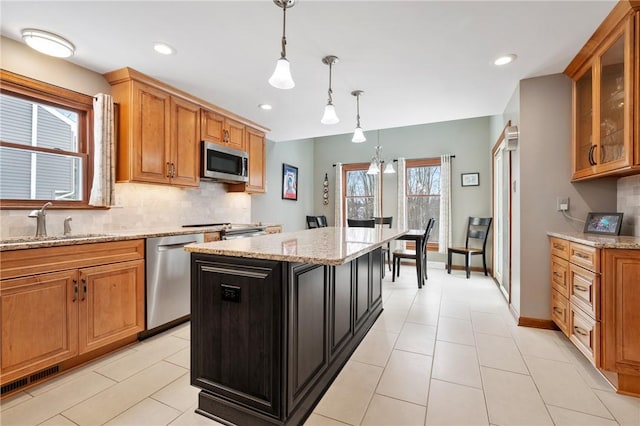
(164, 49)
(506, 59)
(266, 107)
(48, 43)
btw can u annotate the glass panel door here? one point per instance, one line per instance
(584, 124)
(612, 104)
(501, 190)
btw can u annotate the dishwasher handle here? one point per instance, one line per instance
(166, 247)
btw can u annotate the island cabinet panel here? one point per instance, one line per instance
(362, 290)
(308, 322)
(341, 308)
(236, 331)
(375, 291)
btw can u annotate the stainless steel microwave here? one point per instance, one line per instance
(224, 164)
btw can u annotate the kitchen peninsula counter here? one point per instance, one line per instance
(275, 317)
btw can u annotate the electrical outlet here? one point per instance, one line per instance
(562, 204)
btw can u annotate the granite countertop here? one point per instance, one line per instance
(324, 246)
(20, 243)
(600, 241)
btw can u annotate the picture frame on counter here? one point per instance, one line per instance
(289, 182)
(603, 223)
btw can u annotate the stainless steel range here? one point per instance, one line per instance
(242, 231)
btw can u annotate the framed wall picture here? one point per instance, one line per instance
(289, 182)
(603, 223)
(470, 179)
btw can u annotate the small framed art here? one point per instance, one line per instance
(470, 179)
(603, 223)
(289, 182)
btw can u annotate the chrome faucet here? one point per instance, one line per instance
(41, 224)
(67, 225)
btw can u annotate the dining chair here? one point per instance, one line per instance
(316, 221)
(475, 243)
(412, 254)
(386, 220)
(361, 223)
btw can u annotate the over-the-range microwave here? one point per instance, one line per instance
(224, 164)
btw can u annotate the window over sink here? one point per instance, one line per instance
(44, 144)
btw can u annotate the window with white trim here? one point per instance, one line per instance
(423, 195)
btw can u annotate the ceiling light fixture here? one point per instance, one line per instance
(281, 78)
(48, 43)
(358, 134)
(506, 59)
(164, 48)
(329, 116)
(265, 107)
(377, 162)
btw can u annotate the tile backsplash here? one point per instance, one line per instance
(629, 204)
(140, 206)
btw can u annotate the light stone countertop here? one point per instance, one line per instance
(20, 243)
(324, 246)
(600, 241)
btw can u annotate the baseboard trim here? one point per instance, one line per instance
(473, 269)
(536, 323)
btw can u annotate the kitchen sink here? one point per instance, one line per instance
(18, 240)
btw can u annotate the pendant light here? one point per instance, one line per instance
(329, 116)
(281, 78)
(358, 134)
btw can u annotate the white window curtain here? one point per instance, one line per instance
(103, 187)
(401, 221)
(338, 218)
(444, 236)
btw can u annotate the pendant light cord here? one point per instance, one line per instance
(358, 110)
(330, 101)
(283, 54)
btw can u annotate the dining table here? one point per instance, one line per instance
(417, 235)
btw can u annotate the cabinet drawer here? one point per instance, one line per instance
(585, 256)
(584, 290)
(560, 248)
(560, 311)
(559, 275)
(584, 332)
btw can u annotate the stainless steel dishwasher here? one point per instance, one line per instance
(168, 279)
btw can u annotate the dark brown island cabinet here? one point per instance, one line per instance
(269, 336)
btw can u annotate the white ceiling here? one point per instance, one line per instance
(417, 61)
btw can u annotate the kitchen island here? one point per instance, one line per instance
(274, 318)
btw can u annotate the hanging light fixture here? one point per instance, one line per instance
(48, 43)
(358, 134)
(377, 162)
(281, 78)
(329, 116)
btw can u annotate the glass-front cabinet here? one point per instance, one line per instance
(605, 102)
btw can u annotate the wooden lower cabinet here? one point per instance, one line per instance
(269, 337)
(51, 319)
(600, 315)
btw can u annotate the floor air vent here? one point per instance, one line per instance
(10, 387)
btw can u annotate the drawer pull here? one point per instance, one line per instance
(558, 246)
(582, 256)
(558, 274)
(580, 331)
(558, 310)
(84, 289)
(580, 287)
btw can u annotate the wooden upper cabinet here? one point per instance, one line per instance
(185, 146)
(222, 130)
(605, 98)
(257, 164)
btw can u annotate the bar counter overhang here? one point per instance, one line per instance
(274, 318)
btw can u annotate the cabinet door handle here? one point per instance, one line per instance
(75, 290)
(84, 289)
(558, 310)
(580, 287)
(168, 169)
(591, 160)
(580, 331)
(226, 136)
(173, 170)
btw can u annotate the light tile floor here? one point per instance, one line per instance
(447, 354)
